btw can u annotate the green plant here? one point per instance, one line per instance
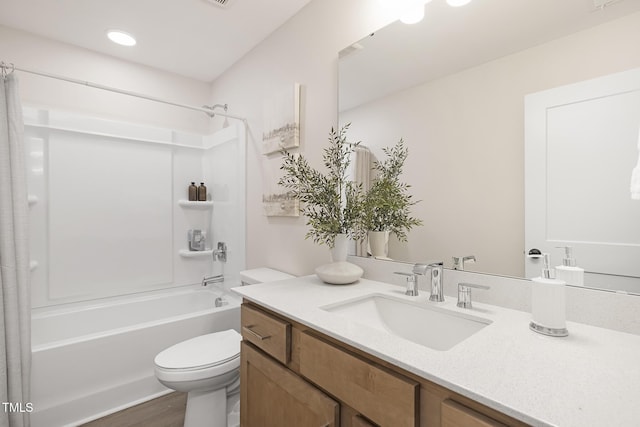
(387, 203)
(331, 203)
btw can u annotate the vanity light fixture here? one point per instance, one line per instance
(121, 38)
(409, 11)
(412, 11)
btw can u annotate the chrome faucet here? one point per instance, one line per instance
(218, 278)
(412, 279)
(458, 261)
(464, 293)
(437, 291)
(220, 254)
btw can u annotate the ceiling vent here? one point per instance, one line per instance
(220, 3)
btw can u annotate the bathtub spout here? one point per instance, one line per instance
(218, 278)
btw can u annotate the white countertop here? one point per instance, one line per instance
(590, 378)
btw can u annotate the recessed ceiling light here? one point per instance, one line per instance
(121, 38)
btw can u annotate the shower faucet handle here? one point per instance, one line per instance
(220, 254)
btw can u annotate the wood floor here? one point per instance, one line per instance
(165, 411)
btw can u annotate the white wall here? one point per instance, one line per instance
(33, 52)
(305, 50)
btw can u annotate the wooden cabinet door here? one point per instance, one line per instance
(273, 396)
(457, 415)
(383, 396)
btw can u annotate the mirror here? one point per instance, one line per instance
(453, 87)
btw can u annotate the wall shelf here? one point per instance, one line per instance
(186, 253)
(195, 205)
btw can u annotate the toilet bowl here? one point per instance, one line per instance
(208, 369)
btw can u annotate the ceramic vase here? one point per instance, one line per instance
(339, 271)
(379, 244)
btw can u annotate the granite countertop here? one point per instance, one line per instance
(590, 378)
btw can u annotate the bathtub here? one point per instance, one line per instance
(93, 359)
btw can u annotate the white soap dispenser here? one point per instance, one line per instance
(568, 272)
(548, 304)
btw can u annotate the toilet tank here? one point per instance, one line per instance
(262, 275)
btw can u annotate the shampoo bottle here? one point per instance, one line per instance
(568, 272)
(202, 193)
(548, 306)
(193, 192)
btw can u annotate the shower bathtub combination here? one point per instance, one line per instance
(94, 341)
(92, 359)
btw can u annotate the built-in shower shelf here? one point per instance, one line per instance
(185, 253)
(32, 199)
(195, 205)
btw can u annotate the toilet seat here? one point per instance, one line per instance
(205, 356)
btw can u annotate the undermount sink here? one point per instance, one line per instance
(427, 325)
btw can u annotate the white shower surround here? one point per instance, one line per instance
(90, 360)
(106, 217)
(97, 331)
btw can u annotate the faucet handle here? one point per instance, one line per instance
(458, 261)
(420, 268)
(464, 293)
(412, 288)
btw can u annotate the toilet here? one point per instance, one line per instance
(208, 367)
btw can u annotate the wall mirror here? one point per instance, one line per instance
(453, 87)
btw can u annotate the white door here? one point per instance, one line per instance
(581, 145)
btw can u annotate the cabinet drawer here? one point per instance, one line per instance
(456, 415)
(384, 397)
(267, 332)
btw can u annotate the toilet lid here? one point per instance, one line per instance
(201, 352)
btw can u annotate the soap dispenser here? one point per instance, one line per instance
(568, 272)
(548, 304)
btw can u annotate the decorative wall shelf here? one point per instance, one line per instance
(195, 205)
(186, 253)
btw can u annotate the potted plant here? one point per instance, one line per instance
(387, 204)
(331, 203)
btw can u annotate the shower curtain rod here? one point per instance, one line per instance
(208, 110)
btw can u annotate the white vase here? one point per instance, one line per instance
(340, 248)
(339, 272)
(379, 244)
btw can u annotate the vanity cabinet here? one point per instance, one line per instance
(457, 415)
(273, 396)
(383, 396)
(292, 375)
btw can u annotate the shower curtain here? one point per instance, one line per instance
(15, 305)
